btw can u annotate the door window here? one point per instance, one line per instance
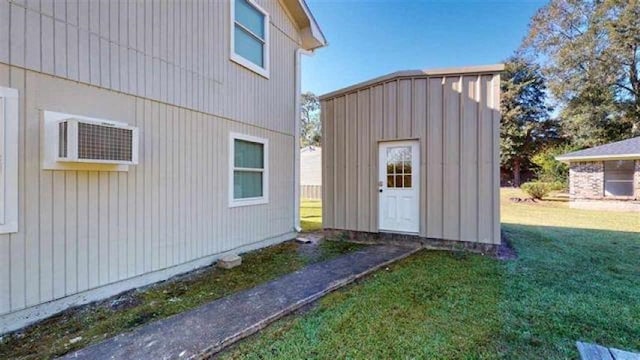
(399, 167)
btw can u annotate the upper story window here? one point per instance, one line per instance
(250, 36)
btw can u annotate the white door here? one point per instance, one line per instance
(399, 187)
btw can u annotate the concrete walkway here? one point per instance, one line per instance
(597, 352)
(211, 327)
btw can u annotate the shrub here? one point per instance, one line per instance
(536, 189)
(558, 186)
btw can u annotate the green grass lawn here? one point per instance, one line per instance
(96, 322)
(311, 215)
(577, 277)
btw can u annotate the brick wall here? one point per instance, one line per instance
(586, 180)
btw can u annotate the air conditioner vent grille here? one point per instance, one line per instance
(99, 142)
(62, 144)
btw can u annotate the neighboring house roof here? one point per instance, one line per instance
(620, 150)
(312, 36)
(483, 69)
(311, 166)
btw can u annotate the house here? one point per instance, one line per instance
(311, 172)
(415, 153)
(606, 176)
(142, 139)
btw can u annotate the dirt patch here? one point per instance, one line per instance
(523, 200)
(126, 300)
(311, 250)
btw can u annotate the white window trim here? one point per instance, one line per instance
(239, 59)
(264, 199)
(8, 161)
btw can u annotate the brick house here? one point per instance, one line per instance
(608, 172)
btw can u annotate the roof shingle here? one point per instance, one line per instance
(625, 149)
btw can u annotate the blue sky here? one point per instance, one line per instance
(369, 38)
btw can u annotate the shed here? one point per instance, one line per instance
(606, 176)
(415, 153)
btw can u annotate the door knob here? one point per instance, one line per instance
(380, 190)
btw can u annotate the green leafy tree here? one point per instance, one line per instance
(590, 51)
(525, 115)
(310, 120)
(548, 168)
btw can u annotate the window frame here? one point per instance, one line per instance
(239, 59)
(9, 160)
(264, 199)
(605, 181)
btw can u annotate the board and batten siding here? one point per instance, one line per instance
(80, 230)
(176, 52)
(164, 67)
(456, 119)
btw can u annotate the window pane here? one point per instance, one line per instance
(390, 168)
(247, 184)
(398, 153)
(618, 188)
(619, 170)
(407, 167)
(407, 181)
(618, 178)
(248, 47)
(390, 181)
(619, 165)
(398, 181)
(248, 154)
(250, 17)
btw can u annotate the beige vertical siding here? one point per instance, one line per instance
(328, 161)
(456, 119)
(163, 66)
(175, 52)
(83, 229)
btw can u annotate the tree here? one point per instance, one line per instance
(590, 51)
(525, 115)
(550, 169)
(310, 120)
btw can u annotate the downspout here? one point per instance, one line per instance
(296, 141)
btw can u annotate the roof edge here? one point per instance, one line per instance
(311, 35)
(463, 70)
(597, 157)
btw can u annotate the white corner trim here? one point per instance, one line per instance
(264, 199)
(9, 107)
(239, 59)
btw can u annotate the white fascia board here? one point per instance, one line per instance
(598, 157)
